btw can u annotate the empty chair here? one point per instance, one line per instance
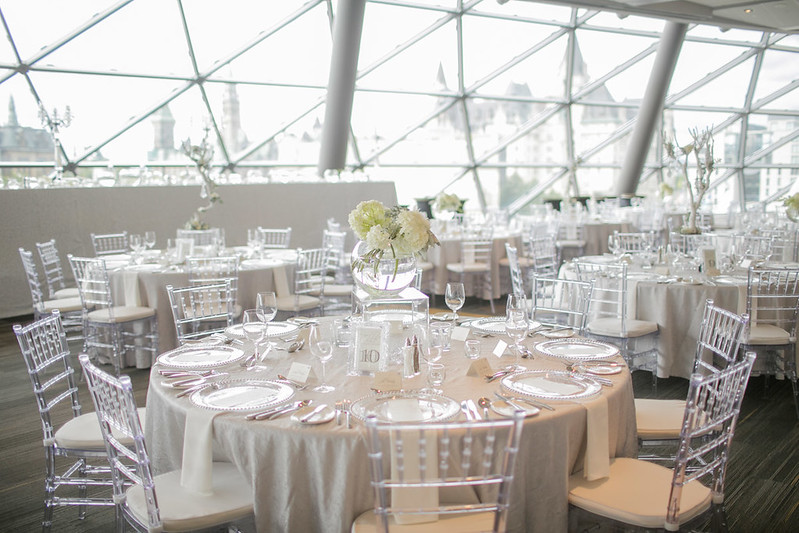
(205, 270)
(633, 243)
(53, 273)
(611, 320)
(118, 329)
(201, 310)
(110, 243)
(689, 244)
(561, 302)
(274, 238)
(571, 239)
(309, 279)
(337, 258)
(424, 458)
(201, 237)
(516, 276)
(44, 348)
(772, 303)
(648, 495)
(522, 264)
(543, 253)
(70, 308)
(476, 260)
(751, 247)
(157, 503)
(720, 333)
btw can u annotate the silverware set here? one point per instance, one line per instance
(514, 402)
(470, 410)
(277, 412)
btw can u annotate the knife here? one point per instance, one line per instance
(267, 412)
(316, 410)
(508, 400)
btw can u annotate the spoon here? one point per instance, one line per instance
(291, 348)
(485, 403)
(296, 384)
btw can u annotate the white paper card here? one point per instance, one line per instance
(387, 381)
(479, 368)
(299, 372)
(368, 348)
(709, 267)
(459, 333)
(499, 349)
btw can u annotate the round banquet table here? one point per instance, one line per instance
(145, 285)
(316, 477)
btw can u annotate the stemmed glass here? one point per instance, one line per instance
(136, 245)
(266, 307)
(613, 245)
(516, 325)
(455, 297)
(149, 239)
(321, 343)
(254, 329)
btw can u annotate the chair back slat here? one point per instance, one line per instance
(720, 336)
(51, 263)
(201, 310)
(561, 302)
(274, 238)
(110, 243)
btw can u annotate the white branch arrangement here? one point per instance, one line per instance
(679, 157)
(202, 155)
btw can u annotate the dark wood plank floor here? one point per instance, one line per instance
(762, 479)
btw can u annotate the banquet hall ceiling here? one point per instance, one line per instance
(774, 15)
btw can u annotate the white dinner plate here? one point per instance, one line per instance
(322, 417)
(250, 264)
(200, 356)
(504, 409)
(559, 334)
(551, 385)
(600, 368)
(242, 394)
(147, 267)
(274, 329)
(577, 350)
(406, 407)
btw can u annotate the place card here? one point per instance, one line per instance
(299, 372)
(499, 349)
(480, 368)
(459, 333)
(387, 381)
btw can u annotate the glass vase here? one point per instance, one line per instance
(383, 277)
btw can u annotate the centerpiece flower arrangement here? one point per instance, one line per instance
(701, 150)
(791, 204)
(391, 238)
(445, 206)
(202, 154)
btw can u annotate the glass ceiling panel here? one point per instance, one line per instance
(727, 90)
(697, 60)
(714, 32)
(528, 74)
(528, 10)
(434, 60)
(101, 105)
(612, 20)
(52, 19)
(288, 56)
(482, 56)
(387, 27)
(778, 71)
(119, 44)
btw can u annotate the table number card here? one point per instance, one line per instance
(709, 267)
(299, 372)
(369, 349)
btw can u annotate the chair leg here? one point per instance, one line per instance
(49, 490)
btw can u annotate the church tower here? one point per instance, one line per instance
(163, 136)
(232, 134)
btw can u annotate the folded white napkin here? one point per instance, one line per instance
(130, 280)
(403, 410)
(597, 448)
(198, 438)
(281, 282)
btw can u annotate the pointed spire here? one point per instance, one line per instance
(441, 80)
(12, 113)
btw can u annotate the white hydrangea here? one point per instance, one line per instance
(378, 238)
(367, 215)
(414, 231)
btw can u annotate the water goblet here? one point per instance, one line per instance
(516, 325)
(321, 343)
(472, 348)
(455, 297)
(136, 245)
(266, 306)
(254, 329)
(149, 239)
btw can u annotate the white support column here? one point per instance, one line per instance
(347, 29)
(651, 106)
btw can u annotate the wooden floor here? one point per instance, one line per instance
(761, 488)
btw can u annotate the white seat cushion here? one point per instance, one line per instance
(468, 267)
(69, 292)
(659, 419)
(335, 290)
(84, 432)
(767, 334)
(121, 314)
(611, 327)
(570, 244)
(460, 523)
(524, 262)
(182, 510)
(636, 492)
(288, 303)
(424, 265)
(64, 305)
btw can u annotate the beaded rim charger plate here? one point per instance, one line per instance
(496, 325)
(241, 394)
(273, 329)
(401, 406)
(200, 356)
(551, 385)
(577, 349)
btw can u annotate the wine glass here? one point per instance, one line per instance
(613, 245)
(455, 297)
(136, 245)
(266, 307)
(321, 343)
(516, 325)
(149, 239)
(254, 329)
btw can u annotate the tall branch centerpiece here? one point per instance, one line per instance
(202, 154)
(700, 151)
